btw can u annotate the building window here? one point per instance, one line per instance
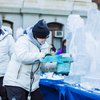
(97, 2)
(8, 23)
(54, 27)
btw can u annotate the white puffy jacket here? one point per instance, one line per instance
(6, 48)
(19, 68)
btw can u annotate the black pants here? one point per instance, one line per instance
(18, 93)
(3, 93)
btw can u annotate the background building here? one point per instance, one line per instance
(22, 13)
(97, 2)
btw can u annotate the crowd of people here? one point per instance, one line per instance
(21, 57)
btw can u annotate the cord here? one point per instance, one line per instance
(32, 77)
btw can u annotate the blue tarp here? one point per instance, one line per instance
(58, 90)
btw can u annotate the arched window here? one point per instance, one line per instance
(97, 2)
(55, 27)
(8, 23)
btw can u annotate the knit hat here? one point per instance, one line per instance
(40, 30)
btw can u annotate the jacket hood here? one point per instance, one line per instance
(4, 31)
(30, 36)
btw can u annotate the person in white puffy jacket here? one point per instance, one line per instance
(6, 50)
(27, 51)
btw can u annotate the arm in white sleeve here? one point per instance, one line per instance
(23, 53)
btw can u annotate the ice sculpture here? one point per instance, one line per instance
(93, 48)
(85, 49)
(77, 48)
(74, 22)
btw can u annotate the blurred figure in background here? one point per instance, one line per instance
(23, 62)
(6, 50)
(63, 48)
(52, 49)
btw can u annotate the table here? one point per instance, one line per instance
(59, 90)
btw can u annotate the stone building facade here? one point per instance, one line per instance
(22, 13)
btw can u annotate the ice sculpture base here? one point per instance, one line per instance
(90, 81)
(72, 79)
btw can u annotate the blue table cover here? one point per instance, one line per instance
(58, 90)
